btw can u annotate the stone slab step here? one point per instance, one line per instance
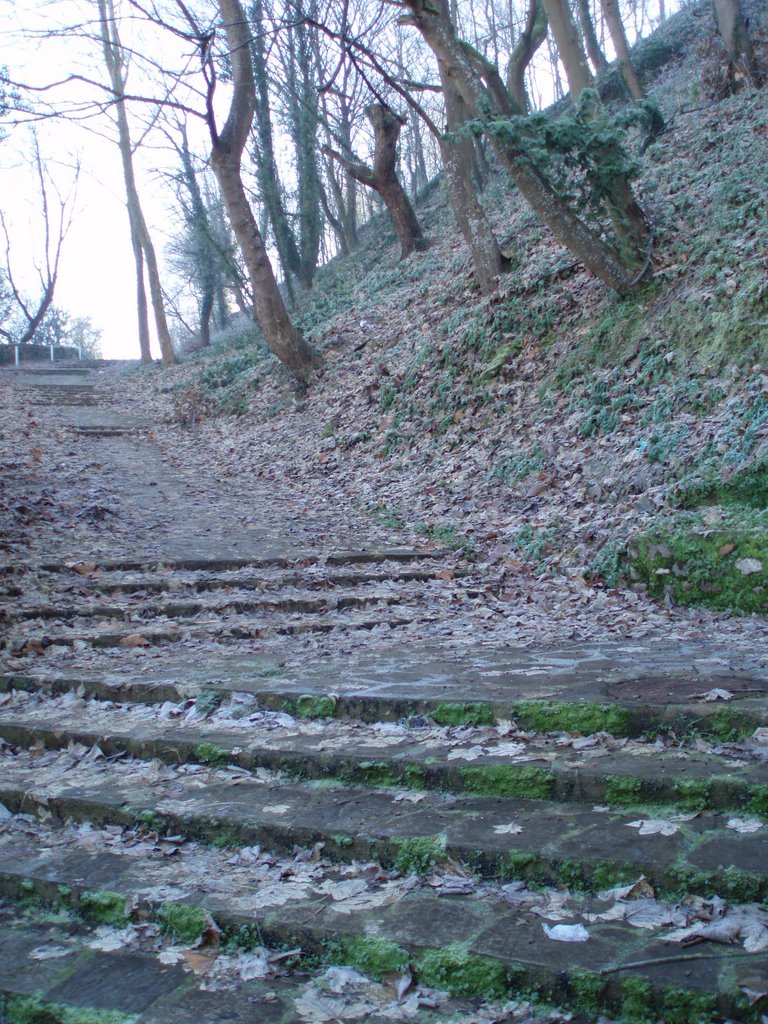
(334, 558)
(67, 965)
(504, 947)
(480, 762)
(544, 842)
(300, 603)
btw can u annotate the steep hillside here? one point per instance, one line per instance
(603, 460)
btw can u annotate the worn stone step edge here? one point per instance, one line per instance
(578, 716)
(507, 955)
(577, 859)
(222, 564)
(207, 630)
(191, 608)
(623, 786)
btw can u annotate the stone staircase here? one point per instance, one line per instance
(238, 785)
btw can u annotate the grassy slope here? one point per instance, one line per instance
(552, 424)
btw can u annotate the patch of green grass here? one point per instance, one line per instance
(212, 755)
(105, 907)
(636, 1001)
(456, 713)
(519, 466)
(725, 569)
(374, 773)
(726, 725)
(623, 791)
(556, 716)
(693, 794)
(448, 536)
(151, 821)
(527, 867)
(418, 855)
(209, 700)
(181, 922)
(462, 973)
(757, 801)
(370, 954)
(509, 781)
(34, 1010)
(732, 884)
(684, 1007)
(314, 706)
(586, 989)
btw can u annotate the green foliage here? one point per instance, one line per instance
(623, 791)
(745, 485)
(370, 954)
(636, 1001)
(212, 755)
(105, 907)
(726, 725)
(509, 781)
(684, 1007)
(519, 466)
(701, 566)
(586, 718)
(693, 794)
(587, 989)
(535, 543)
(181, 922)
(209, 700)
(419, 855)
(456, 713)
(462, 973)
(314, 706)
(33, 1010)
(758, 799)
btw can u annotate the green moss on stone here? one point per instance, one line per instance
(557, 716)
(622, 791)
(748, 486)
(727, 725)
(182, 922)
(636, 1001)
(33, 1010)
(105, 907)
(450, 713)
(414, 776)
(212, 754)
(462, 973)
(314, 706)
(758, 799)
(693, 794)
(607, 875)
(683, 1007)
(418, 855)
(509, 781)
(370, 954)
(374, 773)
(732, 884)
(685, 562)
(586, 990)
(528, 867)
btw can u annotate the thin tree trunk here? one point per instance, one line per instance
(142, 309)
(113, 58)
(735, 35)
(621, 46)
(531, 38)
(597, 58)
(566, 36)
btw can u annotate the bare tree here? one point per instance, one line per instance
(143, 249)
(56, 212)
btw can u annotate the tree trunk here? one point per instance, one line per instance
(431, 18)
(458, 154)
(142, 310)
(735, 35)
(531, 38)
(596, 56)
(566, 36)
(114, 59)
(621, 46)
(382, 177)
(227, 148)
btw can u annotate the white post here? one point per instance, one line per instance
(17, 355)
(52, 356)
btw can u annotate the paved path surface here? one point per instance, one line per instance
(220, 802)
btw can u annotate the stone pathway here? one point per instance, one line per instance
(197, 824)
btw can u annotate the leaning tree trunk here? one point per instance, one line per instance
(628, 220)
(596, 56)
(432, 19)
(621, 46)
(531, 38)
(142, 309)
(290, 347)
(382, 177)
(457, 154)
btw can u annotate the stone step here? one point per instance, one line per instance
(62, 968)
(333, 558)
(304, 603)
(491, 943)
(243, 628)
(547, 843)
(179, 581)
(478, 761)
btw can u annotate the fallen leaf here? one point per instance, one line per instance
(744, 824)
(134, 640)
(566, 932)
(654, 827)
(512, 829)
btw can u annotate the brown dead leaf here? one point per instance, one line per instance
(200, 961)
(726, 549)
(444, 574)
(85, 568)
(134, 640)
